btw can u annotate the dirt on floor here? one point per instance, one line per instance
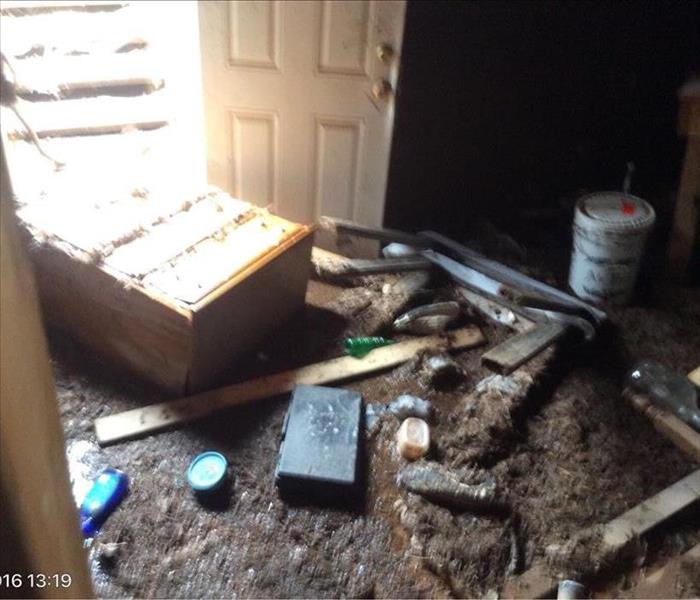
(565, 451)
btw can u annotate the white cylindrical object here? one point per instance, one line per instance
(610, 231)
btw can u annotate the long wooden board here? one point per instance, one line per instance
(539, 582)
(90, 116)
(152, 418)
(518, 349)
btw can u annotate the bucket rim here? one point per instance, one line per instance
(644, 222)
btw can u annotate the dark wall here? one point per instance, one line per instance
(504, 106)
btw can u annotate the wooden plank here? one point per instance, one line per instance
(40, 531)
(540, 582)
(107, 114)
(57, 74)
(682, 435)
(662, 582)
(224, 253)
(159, 416)
(69, 32)
(694, 376)
(516, 350)
(643, 517)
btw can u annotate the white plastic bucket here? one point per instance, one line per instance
(610, 230)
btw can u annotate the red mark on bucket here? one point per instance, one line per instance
(627, 207)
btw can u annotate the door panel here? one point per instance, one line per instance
(255, 156)
(344, 36)
(292, 122)
(254, 33)
(338, 156)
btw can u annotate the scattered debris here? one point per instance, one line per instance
(407, 405)
(361, 346)
(437, 484)
(571, 590)
(427, 319)
(485, 419)
(138, 421)
(515, 560)
(108, 552)
(102, 498)
(441, 371)
(207, 472)
(318, 458)
(413, 438)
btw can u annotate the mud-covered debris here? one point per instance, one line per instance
(427, 319)
(501, 384)
(373, 412)
(413, 438)
(441, 371)
(439, 485)
(407, 405)
(108, 553)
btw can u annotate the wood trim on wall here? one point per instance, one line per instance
(39, 529)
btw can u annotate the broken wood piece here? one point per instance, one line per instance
(518, 349)
(153, 418)
(539, 581)
(679, 433)
(694, 376)
(342, 226)
(381, 313)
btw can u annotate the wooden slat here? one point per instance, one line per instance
(71, 32)
(57, 74)
(214, 260)
(175, 235)
(539, 582)
(682, 435)
(516, 350)
(694, 376)
(88, 116)
(152, 418)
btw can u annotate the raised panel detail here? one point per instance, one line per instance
(344, 37)
(338, 148)
(255, 156)
(254, 31)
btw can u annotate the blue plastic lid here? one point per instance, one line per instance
(207, 471)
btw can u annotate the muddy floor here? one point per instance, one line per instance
(566, 454)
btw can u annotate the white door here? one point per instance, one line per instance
(299, 103)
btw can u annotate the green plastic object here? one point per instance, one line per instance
(360, 346)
